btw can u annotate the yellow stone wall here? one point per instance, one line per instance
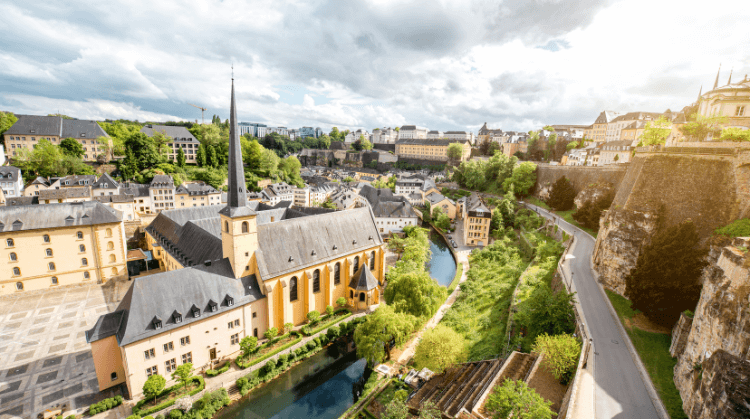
(185, 200)
(437, 152)
(108, 359)
(105, 249)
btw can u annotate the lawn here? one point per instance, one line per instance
(459, 271)
(566, 215)
(536, 201)
(653, 349)
(268, 349)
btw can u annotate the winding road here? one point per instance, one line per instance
(620, 392)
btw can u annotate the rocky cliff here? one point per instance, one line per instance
(592, 192)
(713, 367)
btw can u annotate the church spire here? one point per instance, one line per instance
(716, 83)
(237, 196)
(700, 93)
(730, 77)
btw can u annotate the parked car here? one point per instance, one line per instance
(454, 245)
(450, 237)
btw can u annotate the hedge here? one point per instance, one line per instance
(214, 373)
(243, 365)
(137, 408)
(105, 404)
(306, 330)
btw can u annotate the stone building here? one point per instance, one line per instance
(233, 271)
(30, 129)
(46, 246)
(424, 149)
(196, 194)
(731, 100)
(476, 220)
(179, 137)
(11, 181)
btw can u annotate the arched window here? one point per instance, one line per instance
(293, 289)
(84, 262)
(351, 294)
(46, 238)
(361, 296)
(114, 271)
(316, 280)
(372, 260)
(79, 234)
(226, 226)
(81, 248)
(337, 273)
(13, 257)
(51, 266)
(49, 252)
(110, 246)
(19, 286)
(245, 227)
(356, 263)
(9, 242)
(112, 258)
(86, 275)
(16, 271)
(54, 280)
(108, 232)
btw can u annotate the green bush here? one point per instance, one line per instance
(590, 212)
(137, 408)
(214, 373)
(74, 417)
(333, 332)
(306, 330)
(105, 404)
(739, 228)
(313, 316)
(174, 414)
(242, 365)
(562, 195)
(560, 355)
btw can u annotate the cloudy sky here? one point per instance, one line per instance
(443, 64)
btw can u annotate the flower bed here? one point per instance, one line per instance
(325, 323)
(269, 349)
(170, 398)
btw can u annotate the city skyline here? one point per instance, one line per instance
(448, 66)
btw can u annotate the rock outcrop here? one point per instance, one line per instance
(622, 234)
(713, 371)
(593, 192)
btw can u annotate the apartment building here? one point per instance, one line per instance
(196, 194)
(161, 191)
(425, 149)
(409, 132)
(180, 138)
(11, 181)
(476, 220)
(30, 129)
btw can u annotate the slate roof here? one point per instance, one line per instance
(177, 134)
(386, 205)
(424, 141)
(10, 173)
(22, 200)
(66, 193)
(37, 217)
(135, 189)
(116, 199)
(39, 181)
(474, 204)
(40, 125)
(161, 295)
(196, 189)
(160, 181)
(77, 180)
(606, 117)
(78, 128)
(106, 179)
(364, 281)
(435, 198)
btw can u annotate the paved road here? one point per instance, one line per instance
(620, 391)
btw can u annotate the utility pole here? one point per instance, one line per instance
(202, 110)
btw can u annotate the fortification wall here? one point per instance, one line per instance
(579, 176)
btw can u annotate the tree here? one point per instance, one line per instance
(571, 145)
(313, 316)
(329, 205)
(288, 327)
(656, 132)
(455, 152)
(200, 156)
(128, 166)
(439, 349)
(348, 179)
(329, 310)
(153, 386)
(562, 195)
(335, 134)
(700, 127)
(7, 120)
(735, 135)
(534, 149)
(145, 151)
(212, 159)
(440, 219)
(547, 312)
(522, 179)
(591, 211)
(248, 345)
(428, 410)
(71, 147)
(515, 399)
(396, 409)
(362, 144)
(271, 333)
(382, 329)
(667, 277)
(413, 291)
(180, 157)
(183, 373)
(560, 354)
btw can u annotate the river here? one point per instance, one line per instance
(442, 266)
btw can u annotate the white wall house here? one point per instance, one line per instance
(412, 132)
(11, 181)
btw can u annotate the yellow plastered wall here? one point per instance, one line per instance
(108, 359)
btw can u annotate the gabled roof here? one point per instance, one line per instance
(37, 217)
(10, 173)
(77, 128)
(606, 117)
(435, 198)
(161, 181)
(105, 181)
(196, 189)
(66, 193)
(36, 125)
(176, 133)
(364, 281)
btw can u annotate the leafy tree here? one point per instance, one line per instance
(348, 179)
(534, 148)
(547, 312)
(362, 144)
(735, 135)
(71, 147)
(700, 127)
(153, 386)
(288, 327)
(180, 157)
(428, 410)
(382, 329)
(515, 399)
(522, 179)
(666, 279)
(200, 156)
(571, 145)
(562, 195)
(440, 219)
(560, 354)
(313, 316)
(439, 349)
(656, 132)
(129, 166)
(455, 152)
(269, 163)
(145, 151)
(330, 205)
(335, 135)
(7, 120)
(414, 292)
(591, 211)
(341, 302)
(508, 207)
(396, 409)
(329, 310)
(248, 345)
(212, 159)
(183, 373)
(271, 333)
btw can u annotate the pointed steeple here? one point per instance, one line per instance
(700, 93)
(237, 196)
(730, 77)
(716, 83)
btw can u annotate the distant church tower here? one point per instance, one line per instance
(239, 233)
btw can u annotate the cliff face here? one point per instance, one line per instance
(618, 244)
(592, 192)
(713, 370)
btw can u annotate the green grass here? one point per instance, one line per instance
(739, 228)
(536, 201)
(459, 271)
(568, 216)
(653, 349)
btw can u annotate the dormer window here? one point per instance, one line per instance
(230, 301)
(213, 306)
(196, 312)
(177, 317)
(157, 323)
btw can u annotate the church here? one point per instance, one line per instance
(234, 271)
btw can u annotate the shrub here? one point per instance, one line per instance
(341, 302)
(271, 333)
(241, 382)
(288, 327)
(439, 349)
(74, 417)
(306, 330)
(591, 210)
(105, 404)
(561, 195)
(560, 355)
(174, 414)
(248, 344)
(739, 228)
(149, 417)
(310, 345)
(317, 341)
(329, 310)
(333, 332)
(515, 399)
(313, 316)
(133, 417)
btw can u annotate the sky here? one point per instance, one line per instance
(441, 64)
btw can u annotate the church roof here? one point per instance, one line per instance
(364, 281)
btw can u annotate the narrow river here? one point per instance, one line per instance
(442, 267)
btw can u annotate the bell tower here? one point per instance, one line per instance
(239, 233)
